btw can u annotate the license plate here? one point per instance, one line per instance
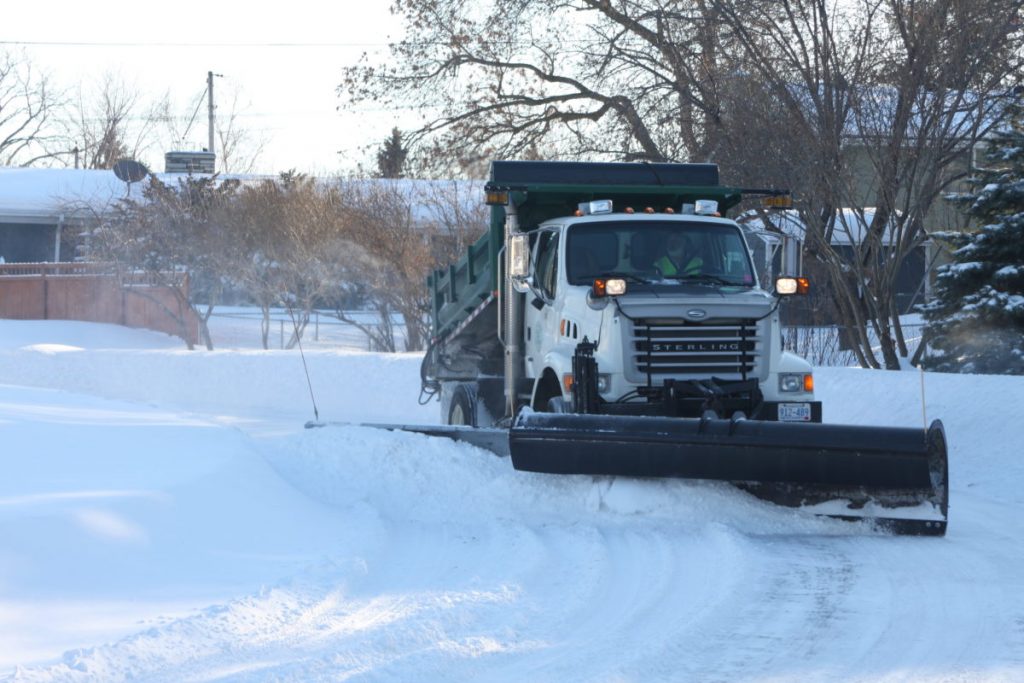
(794, 412)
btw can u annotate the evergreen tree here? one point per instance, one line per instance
(976, 322)
(391, 157)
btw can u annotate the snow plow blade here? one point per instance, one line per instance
(896, 476)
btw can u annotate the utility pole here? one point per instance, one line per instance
(209, 90)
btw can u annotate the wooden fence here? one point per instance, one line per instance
(93, 292)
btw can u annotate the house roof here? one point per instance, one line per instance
(849, 228)
(46, 195)
(52, 195)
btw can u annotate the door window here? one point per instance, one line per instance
(547, 263)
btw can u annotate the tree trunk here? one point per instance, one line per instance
(265, 326)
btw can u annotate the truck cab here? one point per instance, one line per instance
(671, 306)
(628, 276)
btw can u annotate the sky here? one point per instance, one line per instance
(285, 60)
(173, 530)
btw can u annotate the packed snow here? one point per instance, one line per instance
(164, 516)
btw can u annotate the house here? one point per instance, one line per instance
(913, 285)
(42, 213)
(41, 210)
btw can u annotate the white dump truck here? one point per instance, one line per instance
(612, 321)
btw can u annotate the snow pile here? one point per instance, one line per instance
(165, 517)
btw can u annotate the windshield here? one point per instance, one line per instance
(658, 250)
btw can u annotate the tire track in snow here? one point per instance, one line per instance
(475, 572)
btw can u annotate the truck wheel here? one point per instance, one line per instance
(462, 409)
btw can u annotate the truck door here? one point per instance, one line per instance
(541, 319)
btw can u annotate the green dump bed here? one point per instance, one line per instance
(542, 190)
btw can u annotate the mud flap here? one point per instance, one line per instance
(797, 464)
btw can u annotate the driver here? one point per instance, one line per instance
(678, 260)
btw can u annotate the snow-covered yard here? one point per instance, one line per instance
(164, 516)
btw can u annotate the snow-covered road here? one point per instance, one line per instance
(164, 517)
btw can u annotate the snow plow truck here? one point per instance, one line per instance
(613, 321)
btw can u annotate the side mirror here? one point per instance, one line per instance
(785, 286)
(518, 256)
(519, 263)
(790, 280)
(792, 257)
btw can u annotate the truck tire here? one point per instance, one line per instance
(462, 408)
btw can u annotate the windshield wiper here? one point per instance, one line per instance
(705, 278)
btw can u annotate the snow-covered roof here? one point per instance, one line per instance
(44, 195)
(49, 195)
(878, 107)
(427, 197)
(849, 228)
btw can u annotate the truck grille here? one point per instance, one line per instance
(729, 349)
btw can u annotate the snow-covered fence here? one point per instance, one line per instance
(97, 292)
(239, 327)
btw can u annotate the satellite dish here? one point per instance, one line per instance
(130, 171)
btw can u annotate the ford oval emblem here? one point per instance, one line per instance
(696, 314)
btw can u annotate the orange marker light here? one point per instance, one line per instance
(808, 383)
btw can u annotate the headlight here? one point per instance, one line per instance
(604, 382)
(608, 287)
(615, 287)
(796, 383)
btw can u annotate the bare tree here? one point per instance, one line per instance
(180, 237)
(393, 256)
(292, 250)
(397, 232)
(258, 214)
(456, 216)
(111, 121)
(635, 80)
(28, 107)
(238, 148)
(868, 103)
(884, 100)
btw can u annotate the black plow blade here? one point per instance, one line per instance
(898, 477)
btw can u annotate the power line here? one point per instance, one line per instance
(79, 43)
(199, 103)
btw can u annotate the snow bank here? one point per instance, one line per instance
(165, 517)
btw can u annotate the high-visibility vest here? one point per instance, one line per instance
(668, 267)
